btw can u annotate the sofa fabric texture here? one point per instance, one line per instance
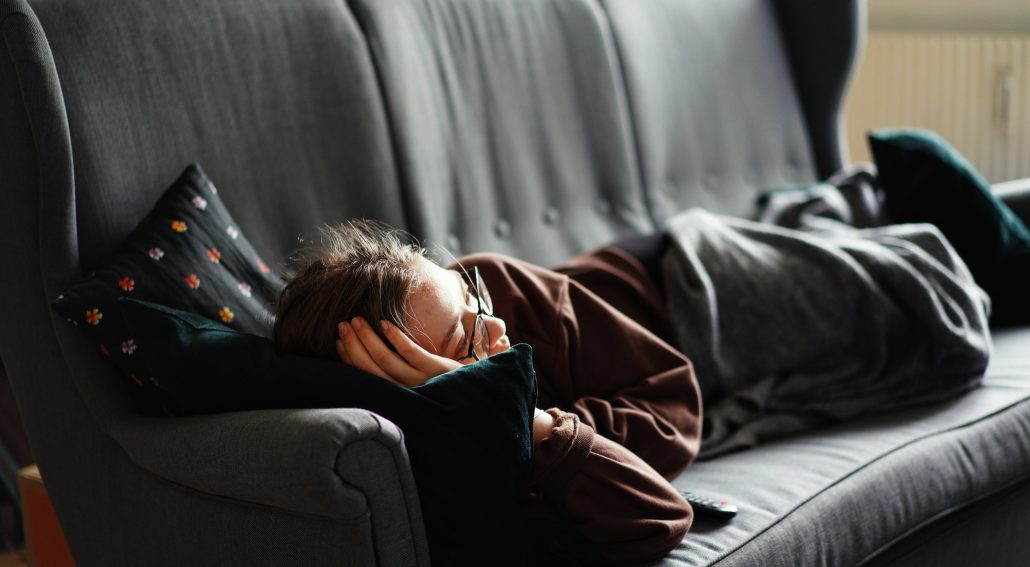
(801, 499)
(538, 128)
(509, 122)
(702, 121)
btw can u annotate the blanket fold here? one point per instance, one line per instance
(793, 327)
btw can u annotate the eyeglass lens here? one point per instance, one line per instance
(481, 342)
(484, 306)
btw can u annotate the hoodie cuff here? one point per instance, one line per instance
(560, 456)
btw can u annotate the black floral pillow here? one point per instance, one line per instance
(187, 254)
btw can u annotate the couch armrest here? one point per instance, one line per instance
(1015, 194)
(332, 463)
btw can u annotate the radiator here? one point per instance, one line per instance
(971, 88)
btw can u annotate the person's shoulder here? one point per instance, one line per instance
(501, 261)
(495, 267)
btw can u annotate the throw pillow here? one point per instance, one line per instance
(924, 179)
(467, 432)
(187, 253)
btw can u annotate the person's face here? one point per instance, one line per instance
(441, 314)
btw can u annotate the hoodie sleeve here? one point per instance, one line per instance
(616, 503)
(630, 416)
(626, 383)
(621, 379)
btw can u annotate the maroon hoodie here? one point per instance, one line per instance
(626, 403)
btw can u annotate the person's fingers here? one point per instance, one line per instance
(342, 328)
(416, 356)
(501, 345)
(391, 363)
(341, 351)
(358, 356)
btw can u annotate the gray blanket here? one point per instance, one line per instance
(789, 329)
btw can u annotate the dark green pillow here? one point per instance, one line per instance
(467, 432)
(926, 180)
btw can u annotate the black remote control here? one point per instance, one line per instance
(702, 506)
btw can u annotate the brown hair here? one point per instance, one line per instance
(360, 268)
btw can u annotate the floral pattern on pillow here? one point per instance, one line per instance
(187, 254)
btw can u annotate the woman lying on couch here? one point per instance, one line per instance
(790, 326)
(621, 406)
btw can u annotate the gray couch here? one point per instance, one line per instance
(539, 128)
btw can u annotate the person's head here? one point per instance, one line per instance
(364, 268)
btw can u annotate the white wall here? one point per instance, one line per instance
(971, 88)
(958, 67)
(968, 15)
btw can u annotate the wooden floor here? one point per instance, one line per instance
(11, 560)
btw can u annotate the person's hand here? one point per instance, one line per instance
(543, 422)
(359, 346)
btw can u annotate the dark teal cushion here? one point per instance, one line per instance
(467, 432)
(926, 180)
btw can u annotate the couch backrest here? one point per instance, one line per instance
(542, 128)
(539, 128)
(717, 117)
(510, 123)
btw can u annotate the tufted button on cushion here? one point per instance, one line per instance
(551, 216)
(502, 228)
(603, 206)
(793, 162)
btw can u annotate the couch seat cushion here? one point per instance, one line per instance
(802, 498)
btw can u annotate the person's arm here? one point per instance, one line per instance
(628, 385)
(621, 508)
(614, 375)
(614, 501)
(621, 379)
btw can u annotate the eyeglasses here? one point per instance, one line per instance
(479, 341)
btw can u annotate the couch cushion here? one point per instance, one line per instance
(713, 103)
(510, 124)
(889, 474)
(278, 100)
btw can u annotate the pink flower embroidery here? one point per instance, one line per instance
(179, 226)
(261, 266)
(214, 255)
(193, 281)
(245, 289)
(226, 314)
(103, 350)
(156, 253)
(129, 346)
(199, 202)
(127, 283)
(232, 232)
(93, 316)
